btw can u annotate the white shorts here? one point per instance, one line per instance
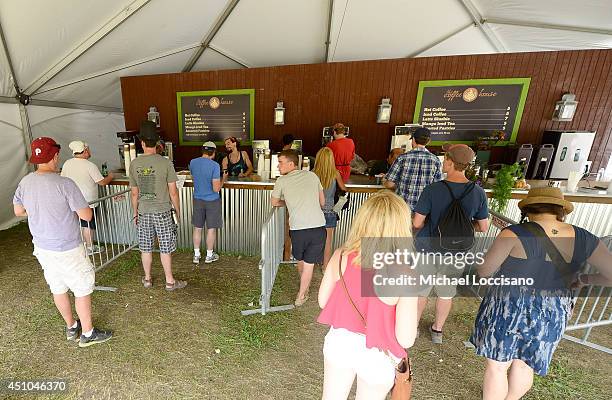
(347, 349)
(67, 270)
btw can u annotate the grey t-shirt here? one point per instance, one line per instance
(300, 190)
(51, 201)
(152, 173)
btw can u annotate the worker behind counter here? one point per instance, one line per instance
(382, 166)
(343, 149)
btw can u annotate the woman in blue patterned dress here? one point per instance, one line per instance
(517, 327)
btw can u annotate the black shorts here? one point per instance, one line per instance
(207, 213)
(308, 244)
(90, 224)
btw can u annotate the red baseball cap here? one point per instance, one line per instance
(43, 150)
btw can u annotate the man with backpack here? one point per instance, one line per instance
(447, 215)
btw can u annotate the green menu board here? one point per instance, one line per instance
(215, 115)
(460, 111)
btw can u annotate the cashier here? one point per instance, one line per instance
(343, 149)
(237, 162)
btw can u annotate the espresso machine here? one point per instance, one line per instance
(259, 151)
(402, 136)
(328, 134)
(541, 164)
(519, 154)
(571, 152)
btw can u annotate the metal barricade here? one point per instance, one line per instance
(592, 309)
(272, 241)
(111, 232)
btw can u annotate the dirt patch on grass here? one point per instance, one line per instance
(195, 344)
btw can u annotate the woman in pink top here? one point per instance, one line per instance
(367, 342)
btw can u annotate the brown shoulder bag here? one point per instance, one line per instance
(402, 389)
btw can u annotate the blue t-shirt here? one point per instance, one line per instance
(204, 170)
(436, 199)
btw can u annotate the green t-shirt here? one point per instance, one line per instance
(152, 173)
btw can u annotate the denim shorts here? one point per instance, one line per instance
(331, 219)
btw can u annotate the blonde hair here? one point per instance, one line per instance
(325, 167)
(383, 216)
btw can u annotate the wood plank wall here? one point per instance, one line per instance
(316, 95)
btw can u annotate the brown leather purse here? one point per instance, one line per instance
(402, 389)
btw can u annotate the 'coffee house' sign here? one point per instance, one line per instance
(462, 111)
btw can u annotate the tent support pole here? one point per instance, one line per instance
(481, 24)
(527, 24)
(210, 36)
(216, 50)
(437, 42)
(330, 16)
(85, 45)
(27, 134)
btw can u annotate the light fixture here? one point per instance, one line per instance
(279, 114)
(565, 109)
(384, 111)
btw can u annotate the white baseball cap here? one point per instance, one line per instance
(77, 146)
(209, 146)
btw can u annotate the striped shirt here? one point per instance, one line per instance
(412, 171)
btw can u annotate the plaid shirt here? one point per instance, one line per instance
(412, 171)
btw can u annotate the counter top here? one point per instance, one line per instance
(356, 183)
(365, 184)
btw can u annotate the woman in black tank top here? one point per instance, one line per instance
(237, 162)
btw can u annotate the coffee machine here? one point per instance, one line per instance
(541, 164)
(571, 153)
(259, 151)
(402, 136)
(328, 134)
(519, 154)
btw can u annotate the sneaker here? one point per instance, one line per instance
(73, 333)
(176, 285)
(212, 258)
(97, 336)
(196, 258)
(436, 336)
(147, 283)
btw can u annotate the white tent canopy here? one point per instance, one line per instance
(68, 55)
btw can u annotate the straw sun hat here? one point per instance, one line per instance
(546, 195)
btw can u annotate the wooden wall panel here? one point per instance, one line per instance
(316, 95)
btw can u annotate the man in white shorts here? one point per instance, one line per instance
(87, 176)
(53, 205)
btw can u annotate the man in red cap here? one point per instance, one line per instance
(53, 205)
(432, 206)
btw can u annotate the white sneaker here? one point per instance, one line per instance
(196, 258)
(212, 258)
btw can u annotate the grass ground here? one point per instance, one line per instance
(194, 344)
